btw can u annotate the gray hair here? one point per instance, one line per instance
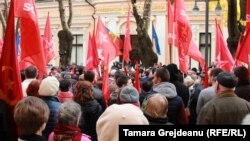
(69, 113)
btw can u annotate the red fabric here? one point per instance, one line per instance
(195, 54)
(183, 34)
(118, 43)
(170, 22)
(183, 60)
(137, 77)
(237, 62)
(223, 56)
(95, 52)
(92, 56)
(1, 47)
(104, 43)
(67, 132)
(48, 44)
(105, 83)
(248, 14)
(10, 83)
(31, 45)
(127, 42)
(242, 54)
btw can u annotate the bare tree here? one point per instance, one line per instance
(143, 51)
(65, 36)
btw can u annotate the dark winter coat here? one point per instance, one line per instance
(91, 111)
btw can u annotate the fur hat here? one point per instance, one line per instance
(227, 79)
(49, 86)
(107, 126)
(129, 94)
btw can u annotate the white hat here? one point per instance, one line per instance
(107, 125)
(49, 86)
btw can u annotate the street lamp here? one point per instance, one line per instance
(217, 11)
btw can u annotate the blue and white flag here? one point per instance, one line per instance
(155, 38)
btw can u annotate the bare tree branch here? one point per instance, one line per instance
(70, 13)
(146, 13)
(3, 21)
(62, 15)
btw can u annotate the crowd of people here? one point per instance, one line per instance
(70, 104)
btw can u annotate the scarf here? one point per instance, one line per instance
(62, 132)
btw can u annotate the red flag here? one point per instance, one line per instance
(31, 45)
(10, 84)
(1, 47)
(92, 56)
(170, 22)
(118, 43)
(105, 82)
(248, 15)
(223, 56)
(195, 54)
(137, 77)
(183, 28)
(183, 34)
(237, 62)
(243, 54)
(127, 43)
(104, 43)
(48, 44)
(183, 60)
(95, 52)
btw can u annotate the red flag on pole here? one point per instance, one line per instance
(31, 45)
(183, 34)
(170, 22)
(117, 41)
(243, 54)
(224, 58)
(104, 43)
(10, 84)
(48, 44)
(127, 43)
(105, 82)
(92, 56)
(183, 28)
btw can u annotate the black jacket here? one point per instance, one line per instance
(91, 111)
(243, 90)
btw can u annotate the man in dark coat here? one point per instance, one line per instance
(226, 107)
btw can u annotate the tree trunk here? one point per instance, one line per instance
(144, 49)
(233, 30)
(65, 36)
(65, 47)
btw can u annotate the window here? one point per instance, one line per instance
(77, 50)
(202, 46)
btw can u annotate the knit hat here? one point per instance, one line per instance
(226, 79)
(49, 86)
(107, 126)
(129, 94)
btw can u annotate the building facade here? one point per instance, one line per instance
(114, 13)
